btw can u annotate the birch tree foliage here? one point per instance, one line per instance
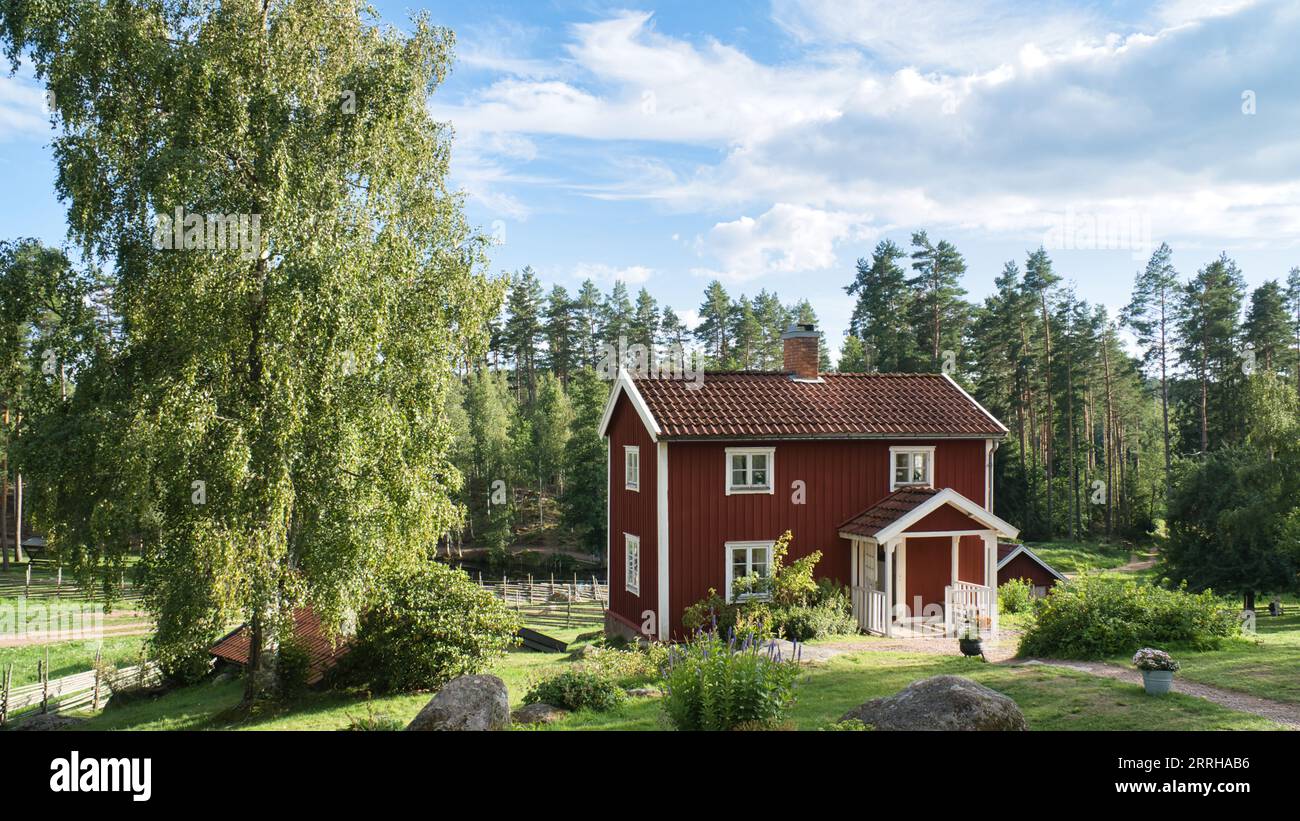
(270, 425)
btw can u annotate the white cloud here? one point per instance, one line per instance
(22, 109)
(786, 239)
(600, 272)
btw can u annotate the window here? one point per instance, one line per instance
(632, 563)
(749, 569)
(632, 467)
(911, 466)
(749, 470)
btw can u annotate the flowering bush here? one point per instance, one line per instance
(1149, 658)
(715, 684)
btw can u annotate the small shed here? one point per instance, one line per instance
(1017, 561)
(323, 651)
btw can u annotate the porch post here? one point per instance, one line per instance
(991, 571)
(889, 588)
(956, 540)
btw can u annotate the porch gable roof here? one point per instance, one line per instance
(896, 513)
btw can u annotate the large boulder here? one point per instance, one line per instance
(50, 721)
(466, 703)
(941, 703)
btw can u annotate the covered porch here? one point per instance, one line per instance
(923, 562)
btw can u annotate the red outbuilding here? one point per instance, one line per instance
(888, 475)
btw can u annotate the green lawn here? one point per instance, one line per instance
(1052, 699)
(69, 657)
(1072, 557)
(1267, 665)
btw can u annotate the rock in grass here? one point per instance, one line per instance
(539, 714)
(941, 703)
(466, 703)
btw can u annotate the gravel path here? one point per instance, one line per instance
(1279, 711)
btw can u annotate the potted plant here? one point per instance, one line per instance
(969, 641)
(1157, 668)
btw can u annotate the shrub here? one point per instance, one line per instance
(1094, 616)
(631, 667)
(712, 684)
(1015, 596)
(804, 622)
(292, 669)
(434, 624)
(577, 689)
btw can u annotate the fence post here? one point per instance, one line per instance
(4, 697)
(27, 585)
(530, 588)
(58, 583)
(94, 703)
(43, 673)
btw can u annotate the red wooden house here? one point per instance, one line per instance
(888, 475)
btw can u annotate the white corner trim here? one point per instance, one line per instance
(770, 452)
(1031, 554)
(661, 549)
(983, 409)
(947, 496)
(624, 384)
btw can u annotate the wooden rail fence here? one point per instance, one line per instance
(91, 689)
(552, 603)
(43, 583)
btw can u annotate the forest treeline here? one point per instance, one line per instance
(1102, 434)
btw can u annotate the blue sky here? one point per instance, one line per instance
(770, 144)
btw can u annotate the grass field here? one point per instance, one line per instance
(1073, 557)
(1052, 699)
(69, 657)
(1267, 665)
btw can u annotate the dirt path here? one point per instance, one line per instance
(52, 636)
(1279, 711)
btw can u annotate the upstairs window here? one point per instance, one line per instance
(632, 467)
(749, 470)
(749, 570)
(911, 466)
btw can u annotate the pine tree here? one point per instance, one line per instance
(586, 455)
(747, 335)
(1208, 324)
(1268, 327)
(937, 310)
(562, 344)
(881, 315)
(674, 334)
(853, 357)
(644, 327)
(587, 318)
(773, 319)
(1150, 313)
(1039, 280)
(1293, 310)
(522, 334)
(551, 430)
(616, 317)
(714, 330)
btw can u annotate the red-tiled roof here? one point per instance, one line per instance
(888, 510)
(307, 629)
(840, 405)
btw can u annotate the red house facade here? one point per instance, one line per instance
(888, 475)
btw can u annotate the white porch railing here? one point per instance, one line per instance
(967, 603)
(869, 608)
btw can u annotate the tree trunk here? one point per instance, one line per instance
(1248, 600)
(1108, 437)
(1050, 422)
(252, 673)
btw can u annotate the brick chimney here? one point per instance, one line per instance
(801, 351)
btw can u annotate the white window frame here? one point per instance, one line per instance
(631, 580)
(749, 564)
(770, 453)
(632, 454)
(928, 450)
